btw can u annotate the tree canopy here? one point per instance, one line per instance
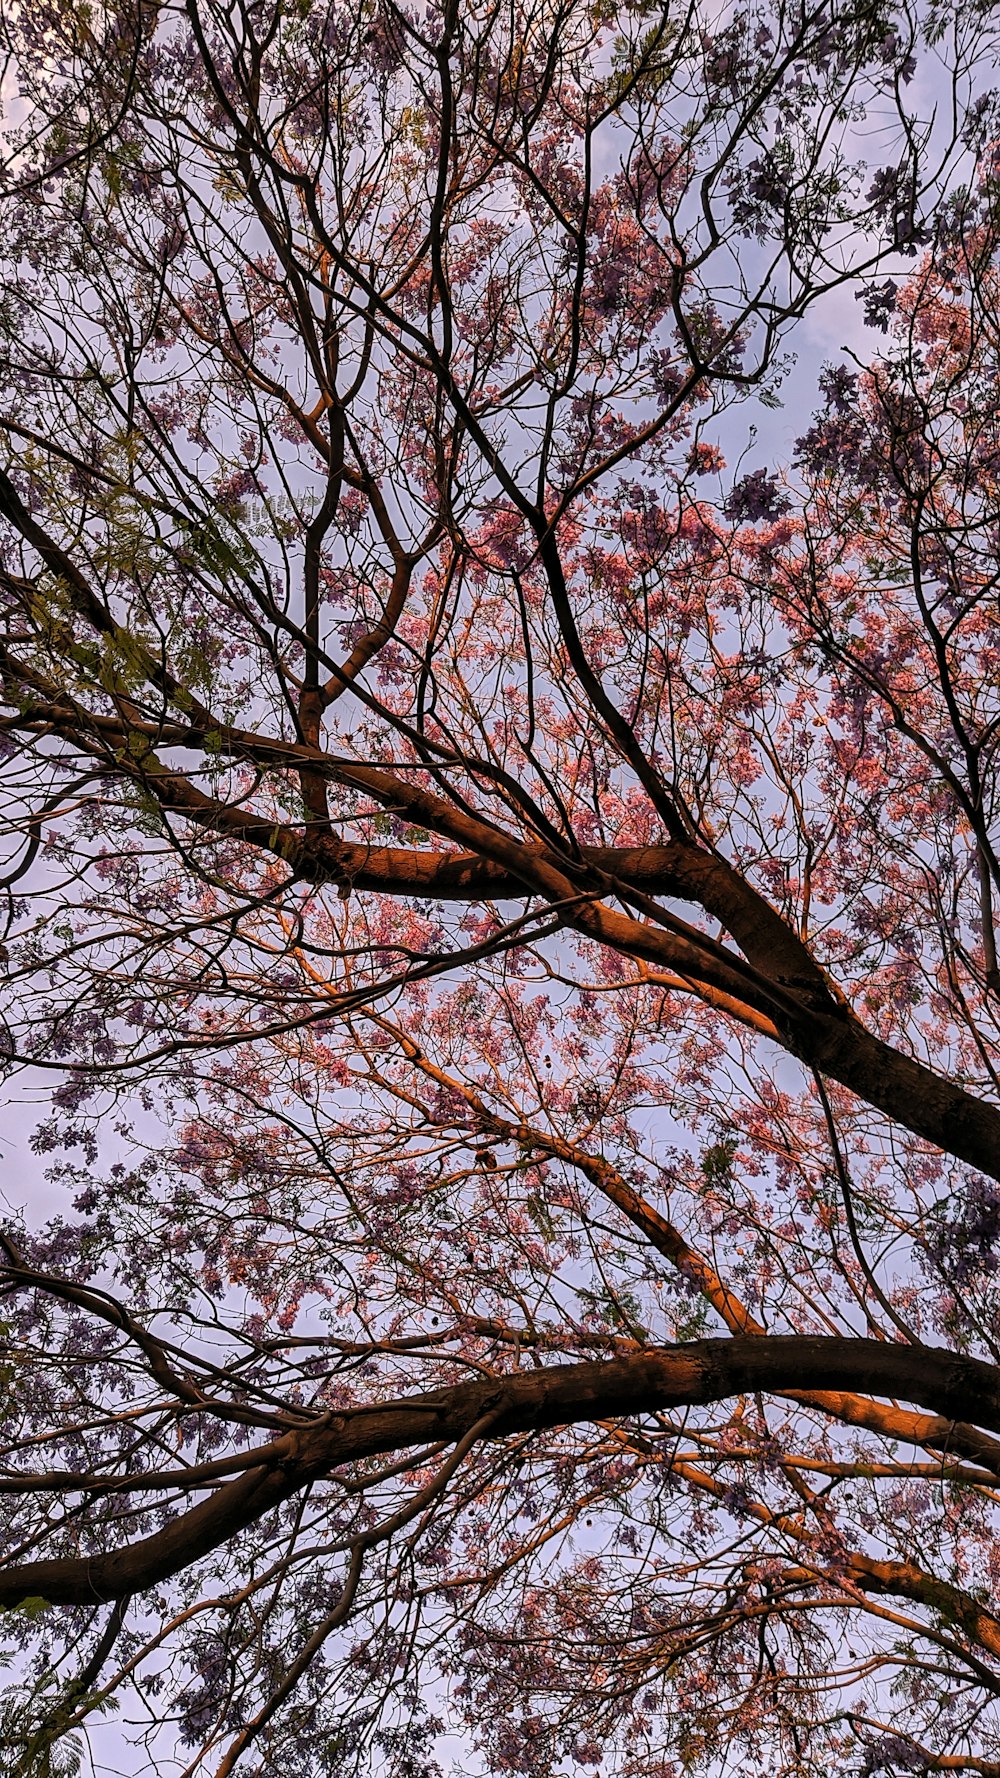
(500, 887)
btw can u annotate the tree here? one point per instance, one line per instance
(508, 931)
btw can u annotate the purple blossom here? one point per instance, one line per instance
(981, 123)
(757, 189)
(757, 497)
(892, 1754)
(896, 55)
(879, 303)
(967, 1247)
(840, 387)
(893, 198)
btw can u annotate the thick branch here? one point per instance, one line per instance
(681, 1376)
(778, 989)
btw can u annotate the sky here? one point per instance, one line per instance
(833, 325)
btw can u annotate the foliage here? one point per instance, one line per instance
(500, 907)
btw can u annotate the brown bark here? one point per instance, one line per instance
(705, 1371)
(772, 984)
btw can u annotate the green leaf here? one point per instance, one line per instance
(32, 1607)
